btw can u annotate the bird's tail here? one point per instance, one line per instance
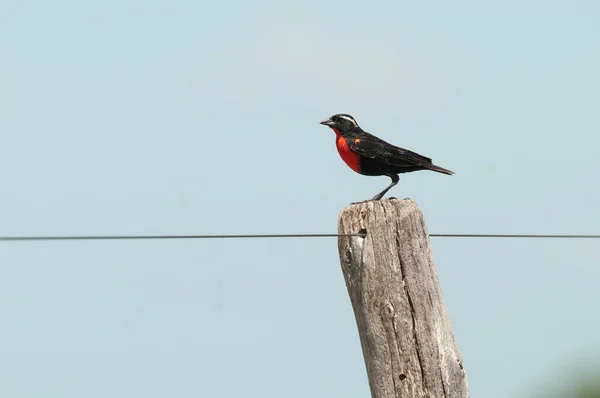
(439, 169)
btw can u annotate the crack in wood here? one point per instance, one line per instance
(414, 324)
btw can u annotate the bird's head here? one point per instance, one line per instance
(341, 122)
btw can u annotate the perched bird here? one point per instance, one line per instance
(371, 156)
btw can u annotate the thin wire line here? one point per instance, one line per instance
(514, 236)
(139, 237)
(261, 236)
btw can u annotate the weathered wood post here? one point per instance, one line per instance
(404, 328)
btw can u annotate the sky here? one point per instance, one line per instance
(182, 117)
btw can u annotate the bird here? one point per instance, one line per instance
(371, 156)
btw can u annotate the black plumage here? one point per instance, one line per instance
(375, 156)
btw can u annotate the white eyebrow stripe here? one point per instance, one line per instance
(350, 119)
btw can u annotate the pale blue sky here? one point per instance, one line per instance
(143, 117)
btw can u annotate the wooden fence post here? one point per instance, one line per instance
(404, 328)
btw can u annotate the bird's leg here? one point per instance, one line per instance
(395, 180)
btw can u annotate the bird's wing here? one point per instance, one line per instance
(369, 146)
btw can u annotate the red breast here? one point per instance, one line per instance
(349, 157)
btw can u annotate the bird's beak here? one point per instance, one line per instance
(327, 122)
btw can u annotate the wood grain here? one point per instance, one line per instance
(405, 331)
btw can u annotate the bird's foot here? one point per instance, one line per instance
(362, 201)
(375, 198)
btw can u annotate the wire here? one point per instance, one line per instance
(139, 237)
(514, 236)
(261, 236)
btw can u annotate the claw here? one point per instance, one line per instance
(355, 203)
